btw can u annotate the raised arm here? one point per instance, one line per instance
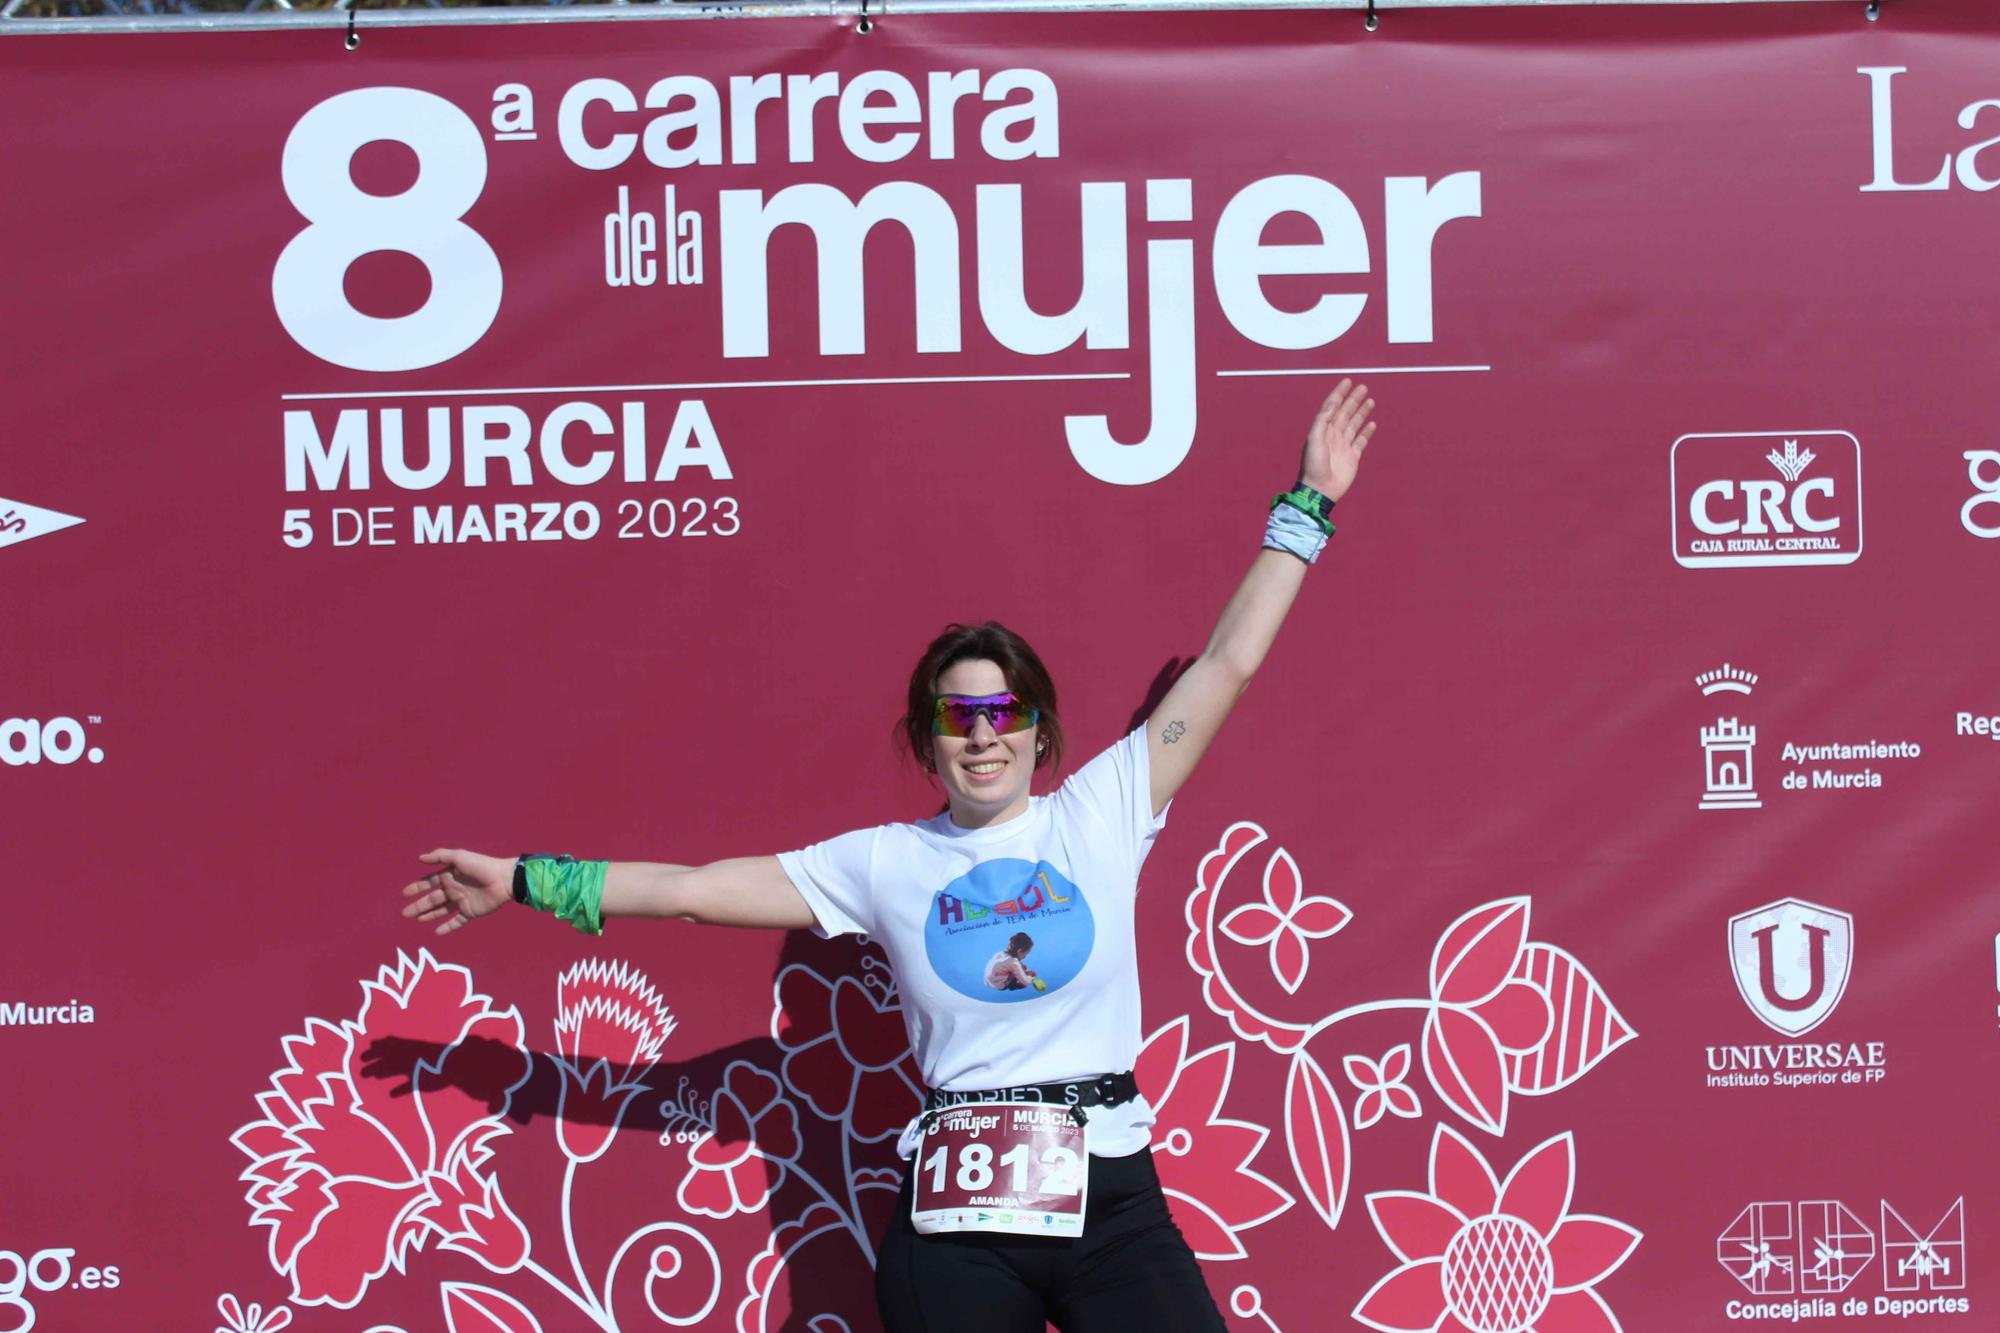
(1191, 714)
(744, 891)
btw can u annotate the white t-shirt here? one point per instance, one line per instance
(947, 904)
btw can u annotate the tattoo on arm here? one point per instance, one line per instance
(1174, 731)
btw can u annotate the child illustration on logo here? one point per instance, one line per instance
(982, 926)
(1006, 970)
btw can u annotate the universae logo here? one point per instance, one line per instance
(1766, 498)
(1791, 960)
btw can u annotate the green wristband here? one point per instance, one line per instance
(1309, 502)
(568, 889)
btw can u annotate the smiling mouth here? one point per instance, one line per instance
(986, 769)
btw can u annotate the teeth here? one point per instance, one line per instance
(983, 768)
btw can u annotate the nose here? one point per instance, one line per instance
(982, 732)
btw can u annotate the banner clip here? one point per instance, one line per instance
(1874, 10)
(1373, 21)
(353, 37)
(867, 25)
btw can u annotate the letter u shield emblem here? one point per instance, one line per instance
(1791, 960)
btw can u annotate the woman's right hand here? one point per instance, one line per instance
(464, 886)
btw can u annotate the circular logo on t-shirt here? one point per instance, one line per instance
(1009, 930)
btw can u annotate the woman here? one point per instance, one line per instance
(940, 894)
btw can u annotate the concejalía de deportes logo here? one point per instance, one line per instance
(1817, 1258)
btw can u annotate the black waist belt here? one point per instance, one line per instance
(1104, 1090)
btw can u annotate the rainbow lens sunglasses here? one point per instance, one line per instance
(957, 714)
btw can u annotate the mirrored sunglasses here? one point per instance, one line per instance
(957, 713)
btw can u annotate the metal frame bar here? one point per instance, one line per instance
(618, 11)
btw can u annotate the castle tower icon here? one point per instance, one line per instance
(1728, 747)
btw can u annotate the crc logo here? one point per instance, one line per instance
(1767, 498)
(1791, 960)
(1982, 466)
(60, 740)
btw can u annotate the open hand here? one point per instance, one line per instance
(464, 886)
(1337, 439)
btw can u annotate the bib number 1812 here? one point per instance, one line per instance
(1015, 1167)
(1058, 1173)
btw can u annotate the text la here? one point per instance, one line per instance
(1882, 129)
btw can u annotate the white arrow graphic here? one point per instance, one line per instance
(20, 522)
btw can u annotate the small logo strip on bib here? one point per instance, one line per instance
(1016, 1167)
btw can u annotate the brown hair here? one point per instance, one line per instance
(995, 643)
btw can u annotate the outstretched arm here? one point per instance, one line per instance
(1179, 732)
(745, 891)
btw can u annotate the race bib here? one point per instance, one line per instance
(1015, 1167)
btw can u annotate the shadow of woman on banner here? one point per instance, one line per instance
(778, 1149)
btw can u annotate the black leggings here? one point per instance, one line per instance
(1131, 1269)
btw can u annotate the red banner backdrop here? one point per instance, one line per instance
(566, 436)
